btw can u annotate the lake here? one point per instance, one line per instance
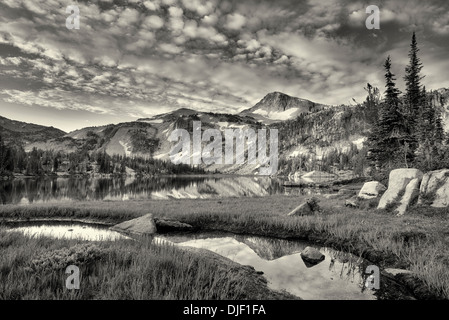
(57, 190)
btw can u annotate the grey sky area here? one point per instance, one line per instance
(134, 58)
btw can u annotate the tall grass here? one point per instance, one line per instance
(33, 268)
(417, 241)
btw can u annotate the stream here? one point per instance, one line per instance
(339, 276)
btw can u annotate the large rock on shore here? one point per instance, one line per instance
(307, 208)
(164, 225)
(301, 210)
(403, 189)
(435, 189)
(371, 190)
(311, 256)
(144, 225)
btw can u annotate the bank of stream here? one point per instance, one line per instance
(340, 275)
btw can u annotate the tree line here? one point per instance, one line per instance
(408, 129)
(14, 160)
(403, 129)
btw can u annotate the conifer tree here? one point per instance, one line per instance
(389, 134)
(430, 134)
(413, 93)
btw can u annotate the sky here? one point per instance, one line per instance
(133, 59)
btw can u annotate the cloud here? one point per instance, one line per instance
(235, 21)
(170, 48)
(128, 17)
(153, 22)
(151, 5)
(175, 12)
(192, 30)
(214, 55)
(201, 7)
(210, 19)
(441, 25)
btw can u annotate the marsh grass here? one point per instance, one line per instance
(34, 268)
(417, 241)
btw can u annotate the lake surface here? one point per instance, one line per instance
(338, 276)
(56, 190)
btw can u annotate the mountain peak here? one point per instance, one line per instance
(177, 112)
(279, 100)
(278, 106)
(277, 94)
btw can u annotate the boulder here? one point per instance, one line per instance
(307, 208)
(371, 190)
(403, 189)
(394, 272)
(144, 225)
(411, 193)
(311, 256)
(302, 210)
(435, 189)
(164, 225)
(352, 202)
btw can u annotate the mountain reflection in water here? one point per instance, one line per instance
(339, 276)
(54, 190)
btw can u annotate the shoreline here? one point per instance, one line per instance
(145, 176)
(213, 219)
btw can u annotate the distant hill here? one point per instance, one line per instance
(307, 131)
(12, 130)
(277, 106)
(146, 137)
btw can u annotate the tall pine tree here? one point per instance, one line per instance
(413, 93)
(389, 139)
(430, 134)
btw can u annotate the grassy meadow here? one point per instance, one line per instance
(417, 241)
(34, 268)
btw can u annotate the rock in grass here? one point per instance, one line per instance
(352, 202)
(434, 189)
(144, 225)
(403, 189)
(311, 256)
(371, 190)
(411, 193)
(171, 225)
(302, 210)
(393, 272)
(307, 208)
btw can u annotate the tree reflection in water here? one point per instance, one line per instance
(46, 189)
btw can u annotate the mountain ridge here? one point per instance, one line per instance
(315, 132)
(277, 106)
(27, 132)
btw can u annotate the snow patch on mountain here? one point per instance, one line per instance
(126, 147)
(278, 115)
(153, 121)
